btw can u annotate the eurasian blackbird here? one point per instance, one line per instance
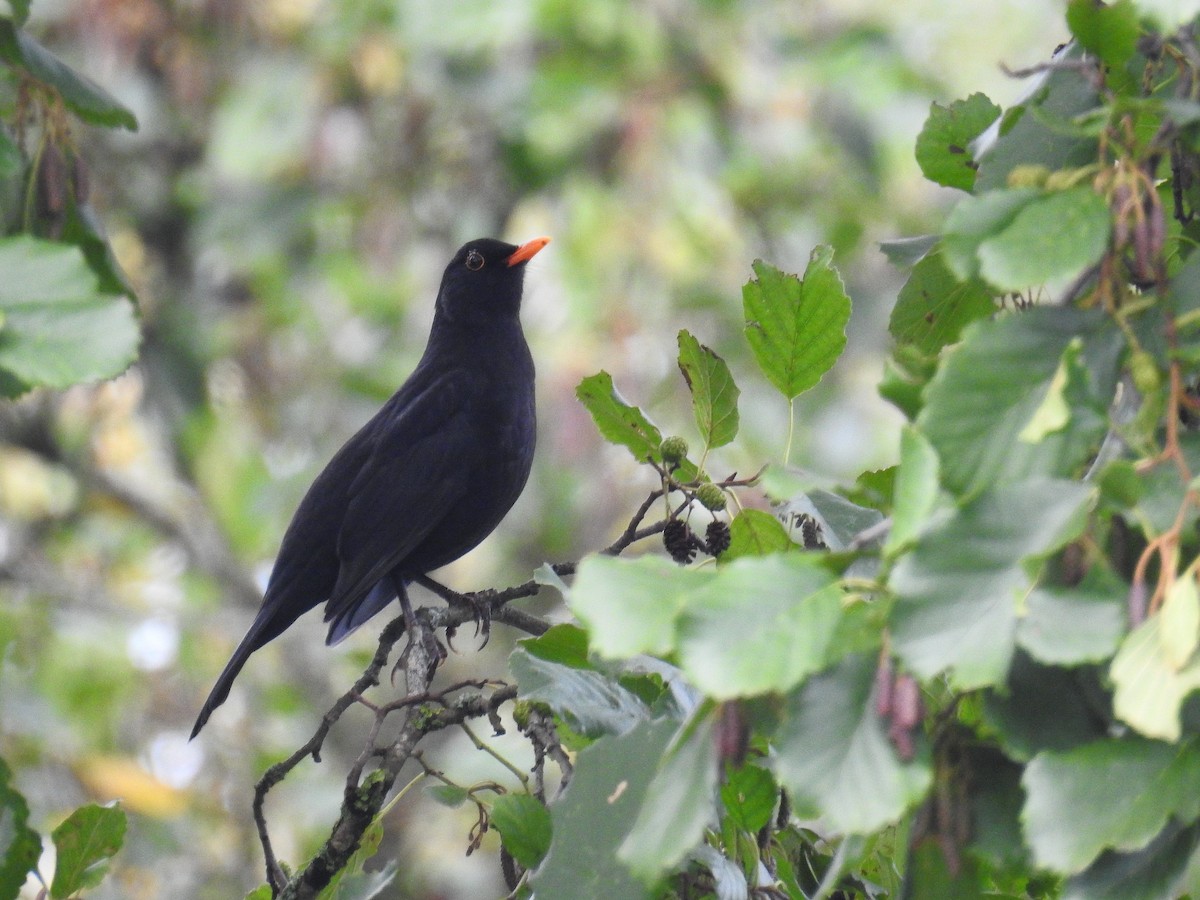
(426, 479)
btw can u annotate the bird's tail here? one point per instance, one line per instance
(266, 628)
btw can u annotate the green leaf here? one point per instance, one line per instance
(678, 806)
(82, 96)
(933, 306)
(1043, 707)
(85, 843)
(796, 327)
(1148, 689)
(450, 795)
(943, 146)
(1109, 31)
(916, 489)
(20, 10)
(1052, 239)
(20, 845)
(524, 826)
(590, 702)
(960, 589)
(749, 795)
(1116, 793)
(620, 423)
(978, 219)
(755, 533)
(840, 520)
(834, 757)
(563, 643)
(904, 253)
(631, 606)
(994, 384)
(714, 395)
(58, 330)
(759, 624)
(1180, 627)
(1151, 873)
(593, 817)
(1070, 626)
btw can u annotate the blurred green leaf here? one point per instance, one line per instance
(1149, 689)
(904, 253)
(916, 491)
(85, 843)
(994, 383)
(563, 643)
(958, 590)
(524, 826)
(83, 96)
(20, 845)
(678, 805)
(975, 220)
(1110, 31)
(1054, 238)
(1150, 873)
(933, 306)
(58, 330)
(714, 395)
(591, 820)
(1114, 793)
(590, 702)
(448, 794)
(834, 757)
(760, 624)
(943, 146)
(796, 326)
(1068, 626)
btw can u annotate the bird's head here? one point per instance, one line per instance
(485, 278)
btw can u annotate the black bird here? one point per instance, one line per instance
(426, 479)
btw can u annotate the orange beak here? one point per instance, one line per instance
(527, 251)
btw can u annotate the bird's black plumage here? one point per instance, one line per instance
(426, 479)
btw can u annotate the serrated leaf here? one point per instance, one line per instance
(524, 826)
(593, 817)
(714, 395)
(960, 588)
(943, 146)
(678, 806)
(85, 843)
(1116, 793)
(755, 533)
(992, 385)
(58, 330)
(20, 845)
(1148, 689)
(82, 96)
(1053, 239)
(834, 757)
(621, 423)
(796, 326)
(933, 307)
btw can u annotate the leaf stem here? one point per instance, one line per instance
(787, 450)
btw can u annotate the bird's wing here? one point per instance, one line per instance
(415, 472)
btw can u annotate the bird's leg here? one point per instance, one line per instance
(423, 653)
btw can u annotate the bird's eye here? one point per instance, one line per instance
(474, 260)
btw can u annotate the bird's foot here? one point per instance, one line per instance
(420, 658)
(481, 614)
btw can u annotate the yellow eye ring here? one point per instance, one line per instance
(474, 260)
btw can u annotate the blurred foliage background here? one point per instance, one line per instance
(303, 170)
